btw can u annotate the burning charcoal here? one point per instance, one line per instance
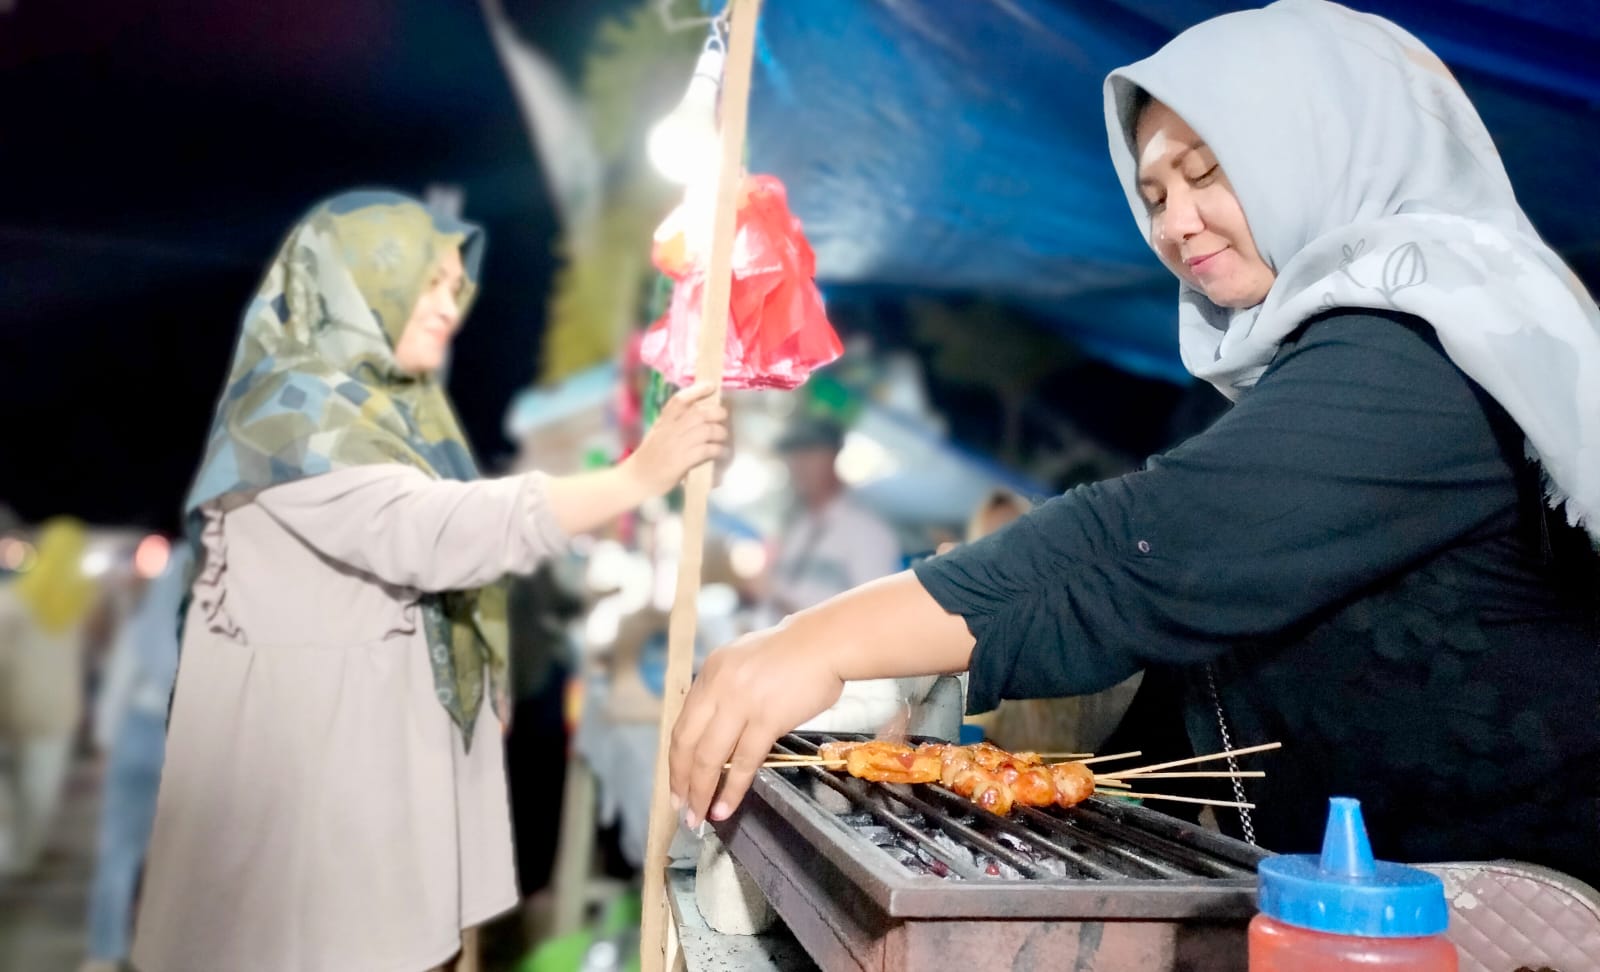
(855, 821)
(994, 868)
(932, 864)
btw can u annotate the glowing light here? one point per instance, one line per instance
(96, 562)
(607, 562)
(863, 460)
(150, 557)
(603, 624)
(747, 480)
(717, 601)
(684, 146)
(14, 553)
(748, 558)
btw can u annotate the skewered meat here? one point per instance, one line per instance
(1074, 783)
(983, 773)
(887, 762)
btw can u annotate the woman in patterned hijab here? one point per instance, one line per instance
(334, 792)
(329, 374)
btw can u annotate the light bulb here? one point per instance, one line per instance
(684, 145)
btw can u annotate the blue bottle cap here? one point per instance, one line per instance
(1346, 892)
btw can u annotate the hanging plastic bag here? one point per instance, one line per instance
(778, 332)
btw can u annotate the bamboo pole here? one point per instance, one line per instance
(656, 918)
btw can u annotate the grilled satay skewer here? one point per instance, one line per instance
(986, 774)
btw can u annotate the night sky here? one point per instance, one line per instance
(154, 155)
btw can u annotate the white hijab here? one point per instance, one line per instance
(1369, 181)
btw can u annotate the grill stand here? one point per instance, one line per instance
(843, 930)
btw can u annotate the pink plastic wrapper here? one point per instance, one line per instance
(778, 332)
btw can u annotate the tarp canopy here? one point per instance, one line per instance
(935, 145)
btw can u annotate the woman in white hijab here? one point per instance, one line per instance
(1375, 557)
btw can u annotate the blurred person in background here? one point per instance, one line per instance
(541, 607)
(558, 429)
(130, 728)
(832, 544)
(334, 793)
(44, 613)
(997, 510)
(994, 511)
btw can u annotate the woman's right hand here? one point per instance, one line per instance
(692, 429)
(766, 683)
(745, 697)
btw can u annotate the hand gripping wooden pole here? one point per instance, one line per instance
(708, 367)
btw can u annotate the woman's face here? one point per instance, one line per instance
(426, 338)
(1196, 222)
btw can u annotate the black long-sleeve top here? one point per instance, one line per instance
(1357, 558)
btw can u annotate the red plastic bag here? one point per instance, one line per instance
(778, 332)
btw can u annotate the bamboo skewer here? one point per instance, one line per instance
(1132, 795)
(1102, 759)
(1199, 775)
(1105, 784)
(1114, 784)
(1104, 787)
(1145, 770)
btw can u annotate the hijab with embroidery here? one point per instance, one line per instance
(314, 388)
(1369, 181)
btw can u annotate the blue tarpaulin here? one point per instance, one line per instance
(959, 144)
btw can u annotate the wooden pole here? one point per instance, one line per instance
(654, 935)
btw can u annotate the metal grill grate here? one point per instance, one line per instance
(931, 831)
(908, 878)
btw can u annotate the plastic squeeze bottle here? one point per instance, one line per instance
(1345, 911)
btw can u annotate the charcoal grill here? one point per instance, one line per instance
(885, 877)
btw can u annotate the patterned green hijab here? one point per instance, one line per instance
(314, 388)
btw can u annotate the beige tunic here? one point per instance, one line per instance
(318, 812)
